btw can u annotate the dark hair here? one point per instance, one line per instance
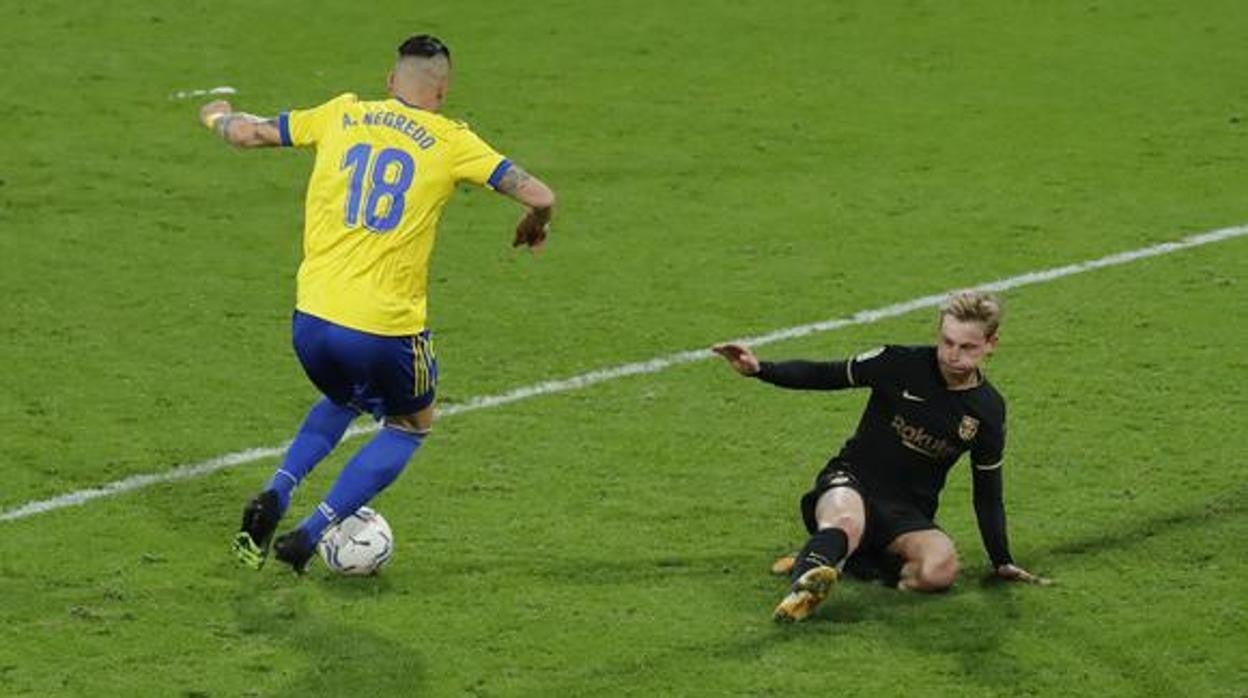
(425, 45)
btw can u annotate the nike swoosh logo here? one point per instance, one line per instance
(911, 396)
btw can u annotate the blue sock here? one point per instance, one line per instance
(368, 472)
(322, 429)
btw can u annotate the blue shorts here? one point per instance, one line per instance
(385, 376)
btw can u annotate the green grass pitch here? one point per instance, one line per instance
(724, 169)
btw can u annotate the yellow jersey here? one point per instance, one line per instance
(383, 172)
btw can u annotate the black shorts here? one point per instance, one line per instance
(887, 518)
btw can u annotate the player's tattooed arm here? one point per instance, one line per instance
(526, 188)
(240, 128)
(512, 179)
(248, 131)
(532, 192)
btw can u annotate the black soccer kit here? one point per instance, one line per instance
(912, 431)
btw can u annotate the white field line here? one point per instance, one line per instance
(251, 455)
(212, 91)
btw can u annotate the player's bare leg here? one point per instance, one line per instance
(841, 514)
(418, 423)
(931, 561)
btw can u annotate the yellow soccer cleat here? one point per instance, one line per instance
(260, 517)
(783, 566)
(806, 594)
(248, 553)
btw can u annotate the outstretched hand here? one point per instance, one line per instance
(532, 229)
(1014, 573)
(210, 112)
(741, 358)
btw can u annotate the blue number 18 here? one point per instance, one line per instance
(377, 218)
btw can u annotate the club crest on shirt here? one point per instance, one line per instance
(968, 428)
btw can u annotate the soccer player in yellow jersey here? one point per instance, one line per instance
(383, 171)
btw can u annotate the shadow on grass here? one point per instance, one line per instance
(969, 628)
(971, 625)
(599, 571)
(341, 657)
(1128, 533)
(1133, 668)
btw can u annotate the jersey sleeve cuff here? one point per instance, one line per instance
(497, 175)
(283, 128)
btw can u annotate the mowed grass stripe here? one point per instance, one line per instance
(655, 365)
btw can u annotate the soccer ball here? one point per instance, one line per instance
(358, 545)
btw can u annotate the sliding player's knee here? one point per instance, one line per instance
(939, 573)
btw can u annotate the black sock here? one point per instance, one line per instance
(827, 548)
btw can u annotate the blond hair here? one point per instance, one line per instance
(973, 306)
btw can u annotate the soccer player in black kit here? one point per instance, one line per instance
(877, 498)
